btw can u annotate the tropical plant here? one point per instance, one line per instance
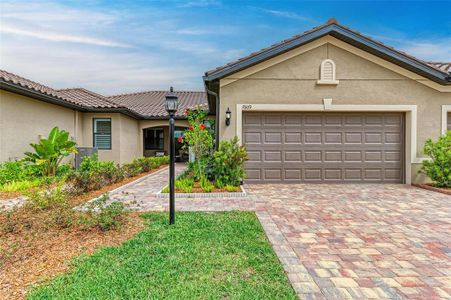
(439, 167)
(228, 163)
(198, 139)
(50, 151)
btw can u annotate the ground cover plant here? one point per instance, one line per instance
(204, 255)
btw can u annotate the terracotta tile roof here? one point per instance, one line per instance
(151, 103)
(443, 67)
(142, 105)
(18, 80)
(87, 98)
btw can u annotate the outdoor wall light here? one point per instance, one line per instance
(228, 116)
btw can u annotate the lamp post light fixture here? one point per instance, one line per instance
(171, 106)
(228, 116)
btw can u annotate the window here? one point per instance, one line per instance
(102, 133)
(449, 121)
(154, 139)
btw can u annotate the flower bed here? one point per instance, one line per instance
(218, 171)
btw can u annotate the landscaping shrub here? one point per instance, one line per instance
(102, 215)
(14, 171)
(50, 152)
(185, 185)
(206, 185)
(228, 163)
(45, 199)
(198, 139)
(231, 188)
(439, 167)
(95, 174)
(20, 176)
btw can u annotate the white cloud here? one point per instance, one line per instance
(61, 37)
(433, 49)
(285, 14)
(201, 3)
(439, 50)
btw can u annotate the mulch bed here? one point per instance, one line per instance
(33, 253)
(446, 191)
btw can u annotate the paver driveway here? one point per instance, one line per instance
(341, 241)
(360, 241)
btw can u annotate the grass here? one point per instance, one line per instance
(203, 256)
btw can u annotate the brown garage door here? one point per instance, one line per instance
(324, 147)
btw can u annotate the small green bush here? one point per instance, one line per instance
(185, 185)
(231, 188)
(102, 215)
(228, 162)
(42, 200)
(206, 185)
(439, 167)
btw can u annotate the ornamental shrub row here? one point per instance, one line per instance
(95, 174)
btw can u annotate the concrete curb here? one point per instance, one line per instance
(241, 194)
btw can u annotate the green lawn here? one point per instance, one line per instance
(204, 256)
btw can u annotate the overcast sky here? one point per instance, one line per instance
(115, 47)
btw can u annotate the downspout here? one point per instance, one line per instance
(216, 114)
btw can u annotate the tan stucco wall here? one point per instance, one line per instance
(129, 139)
(125, 137)
(23, 120)
(361, 82)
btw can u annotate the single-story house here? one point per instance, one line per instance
(328, 105)
(121, 127)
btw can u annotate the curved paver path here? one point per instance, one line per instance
(341, 241)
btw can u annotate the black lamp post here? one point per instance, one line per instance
(171, 106)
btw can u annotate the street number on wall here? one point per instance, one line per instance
(247, 106)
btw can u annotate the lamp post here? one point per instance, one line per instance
(171, 106)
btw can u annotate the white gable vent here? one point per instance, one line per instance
(327, 72)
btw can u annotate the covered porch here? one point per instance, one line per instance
(155, 137)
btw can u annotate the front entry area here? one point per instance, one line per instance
(355, 147)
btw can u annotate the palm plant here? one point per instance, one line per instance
(50, 151)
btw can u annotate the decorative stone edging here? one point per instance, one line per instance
(241, 194)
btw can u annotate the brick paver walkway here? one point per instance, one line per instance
(341, 241)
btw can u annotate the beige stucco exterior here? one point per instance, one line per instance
(24, 120)
(364, 80)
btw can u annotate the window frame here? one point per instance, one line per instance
(94, 133)
(162, 144)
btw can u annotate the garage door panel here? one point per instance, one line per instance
(324, 147)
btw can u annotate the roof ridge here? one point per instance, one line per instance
(93, 94)
(151, 91)
(330, 22)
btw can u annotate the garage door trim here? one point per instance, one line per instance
(410, 131)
